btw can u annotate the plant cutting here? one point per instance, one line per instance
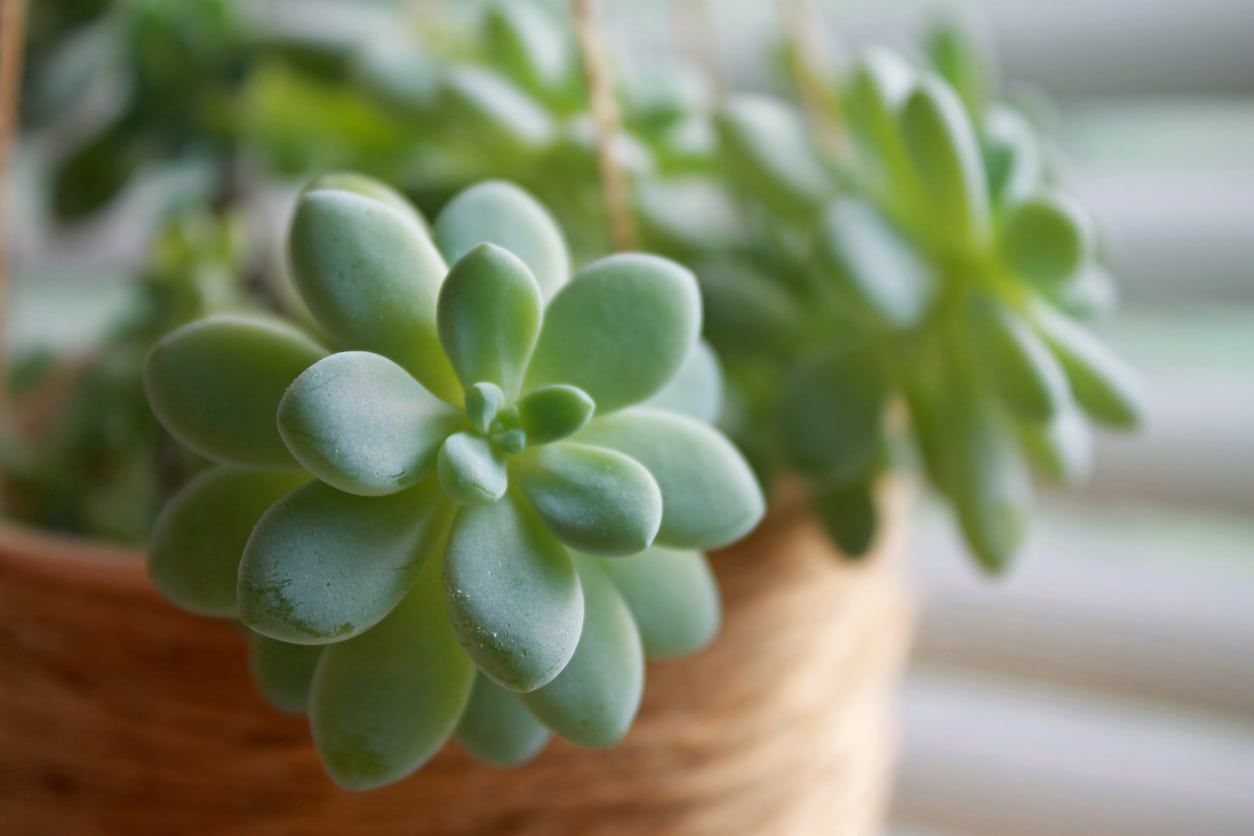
(466, 520)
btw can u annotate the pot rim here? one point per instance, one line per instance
(92, 562)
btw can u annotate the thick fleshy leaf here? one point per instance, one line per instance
(1012, 157)
(554, 412)
(833, 417)
(848, 516)
(362, 424)
(961, 54)
(497, 212)
(1060, 450)
(766, 144)
(691, 214)
(1018, 364)
(512, 594)
(595, 500)
(620, 330)
(593, 701)
(196, 543)
(368, 187)
(878, 266)
(497, 728)
(1102, 384)
(1090, 293)
(472, 471)
(283, 672)
(941, 142)
(879, 85)
(709, 495)
(489, 315)
(384, 702)
(323, 565)
(696, 390)
(746, 312)
(1046, 238)
(216, 384)
(527, 42)
(371, 275)
(673, 598)
(496, 112)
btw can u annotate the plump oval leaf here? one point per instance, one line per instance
(620, 330)
(368, 187)
(554, 412)
(595, 500)
(472, 471)
(283, 672)
(849, 517)
(497, 212)
(1103, 386)
(673, 597)
(833, 417)
(879, 84)
(362, 424)
(1046, 238)
(215, 384)
(709, 495)
(528, 43)
(496, 113)
(371, 274)
(877, 265)
(1017, 363)
(766, 144)
(196, 543)
(941, 142)
(593, 701)
(960, 53)
(1012, 157)
(489, 317)
(497, 728)
(1060, 450)
(512, 594)
(696, 390)
(384, 702)
(323, 565)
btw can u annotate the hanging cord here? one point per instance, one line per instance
(618, 210)
(813, 73)
(11, 29)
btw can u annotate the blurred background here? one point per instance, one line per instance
(1107, 684)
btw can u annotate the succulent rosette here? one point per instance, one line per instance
(480, 508)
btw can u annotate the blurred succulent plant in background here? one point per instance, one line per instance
(938, 263)
(413, 523)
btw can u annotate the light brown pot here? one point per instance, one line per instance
(120, 714)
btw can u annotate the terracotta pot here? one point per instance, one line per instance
(120, 714)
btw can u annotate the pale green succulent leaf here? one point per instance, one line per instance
(710, 497)
(1017, 363)
(696, 390)
(512, 594)
(1012, 157)
(384, 702)
(766, 143)
(554, 412)
(1046, 238)
(529, 44)
(471, 469)
(216, 384)
(961, 54)
(368, 187)
(323, 566)
(619, 330)
(673, 597)
(196, 543)
(848, 515)
(594, 699)
(496, 112)
(498, 728)
(833, 417)
(283, 672)
(596, 500)
(362, 424)
(1061, 449)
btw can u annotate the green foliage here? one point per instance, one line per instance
(489, 497)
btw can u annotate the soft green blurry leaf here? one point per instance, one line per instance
(323, 566)
(1012, 157)
(831, 426)
(483, 404)
(593, 701)
(1018, 364)
(1090, 293)
(690, 214)
(472, 471)
(878, 265)
(512, 594)
(620, 330)
(941, 142)
(696, 390)
(385, 702)
(554, 412)
(216, 384)
(196, 543)
(1060, 450)
(962, 56)
(368, 187)
(595, 500)
(528, 44)
(283, 672)
(747, 313)
(371, 276)
(766, 144)
(710, 497)
(673, 597)
(361, 424)
(489, 316)
(1107, 389)
(496, 212)
(1046, 238)
(497, 728)
(878, 87)
(496, 113)
(849, 517)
